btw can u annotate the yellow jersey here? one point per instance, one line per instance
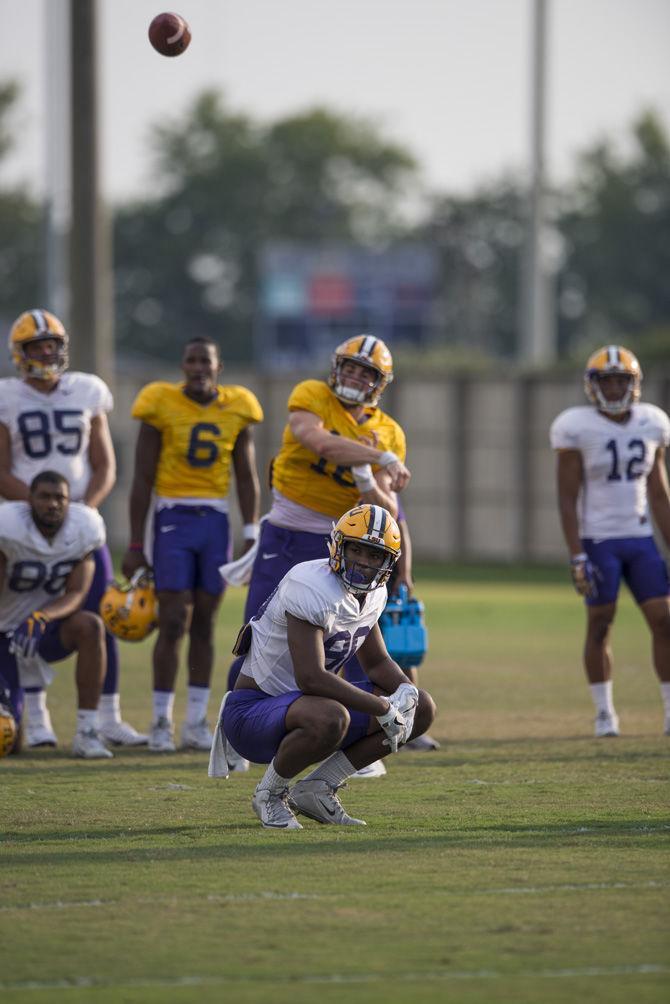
(312, 481)
(197, 440)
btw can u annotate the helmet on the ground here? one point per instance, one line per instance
(366, 350)
(612, 360)
(34, 326)
(8, 727)
(373, 527)
(130, 610)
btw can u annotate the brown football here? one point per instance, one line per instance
(169, 34)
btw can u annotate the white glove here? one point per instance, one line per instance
(394, 726)
(405, 699)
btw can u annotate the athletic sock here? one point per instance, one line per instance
(163, 704)
(665, 694)
(196, 707)
(335, 769)
(36, 706)
(273, 781)
(109, 707)
(601, 694)
(87, 720)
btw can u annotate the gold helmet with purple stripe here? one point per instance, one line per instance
(368, 351)
(375, 529)
(37, 326)
(612, 360)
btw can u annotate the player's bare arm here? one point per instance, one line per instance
(378, 664)
(147, 453)
(77, 586)
(246, 480)
(103, 463)
(658, 493)
(11, 488)
(308, 429)
(305, 642)
(570, 475)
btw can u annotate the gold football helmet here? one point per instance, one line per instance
(366, 350)
(130, 610)
(33, 326)
(375, 528)
(618, 361)
(8, 729)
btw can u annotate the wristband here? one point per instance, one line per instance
(364, 478)
(388, 457)
(251, 531)
(577, 559)
(136, 545)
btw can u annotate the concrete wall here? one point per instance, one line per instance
(483, 484)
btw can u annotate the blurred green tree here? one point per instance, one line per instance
(186, 260)
(21, 257)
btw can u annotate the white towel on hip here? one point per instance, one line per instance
(218, 755)
(33, 671)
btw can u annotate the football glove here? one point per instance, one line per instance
(405, 699)
(393, 724)
(583, 575)
(25, 638)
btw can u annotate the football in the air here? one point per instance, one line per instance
(169, 34)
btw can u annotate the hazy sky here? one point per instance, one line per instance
(448, 78)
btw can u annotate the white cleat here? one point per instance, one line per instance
(161, 737)
(319, 800)
(89, 745)
(196, 737)
(374, 769)
(40, 733)
(273, 810)
(122, 734)
(236, 763)
(607, 724)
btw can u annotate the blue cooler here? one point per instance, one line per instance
(404, 629)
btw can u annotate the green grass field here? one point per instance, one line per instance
(523, 862)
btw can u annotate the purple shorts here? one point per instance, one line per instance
(636, 560)
(190, 544)
(51, 649)
(254, 722)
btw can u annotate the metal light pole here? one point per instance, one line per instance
(537, 339)
(91, 297)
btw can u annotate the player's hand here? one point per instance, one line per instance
(583, 575)
(132, 562)
(393, 724)
(400, 475)
(27, 636)
(406, 699)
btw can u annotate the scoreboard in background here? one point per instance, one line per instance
(312, 297)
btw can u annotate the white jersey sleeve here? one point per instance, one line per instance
(37, 568)
(310, 592)
(617, 459)
(53, 431)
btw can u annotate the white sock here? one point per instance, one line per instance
(335, 769)
(87, 720)
(109, 707)
(601, 694)
(196, 706)
(163, 704)
(272, 780)
(36, 706)
(665, 694)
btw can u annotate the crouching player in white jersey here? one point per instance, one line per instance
(611, 471)
(57, 419)
(290, 708)
(46, 570)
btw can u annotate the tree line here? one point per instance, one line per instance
(225, 184)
